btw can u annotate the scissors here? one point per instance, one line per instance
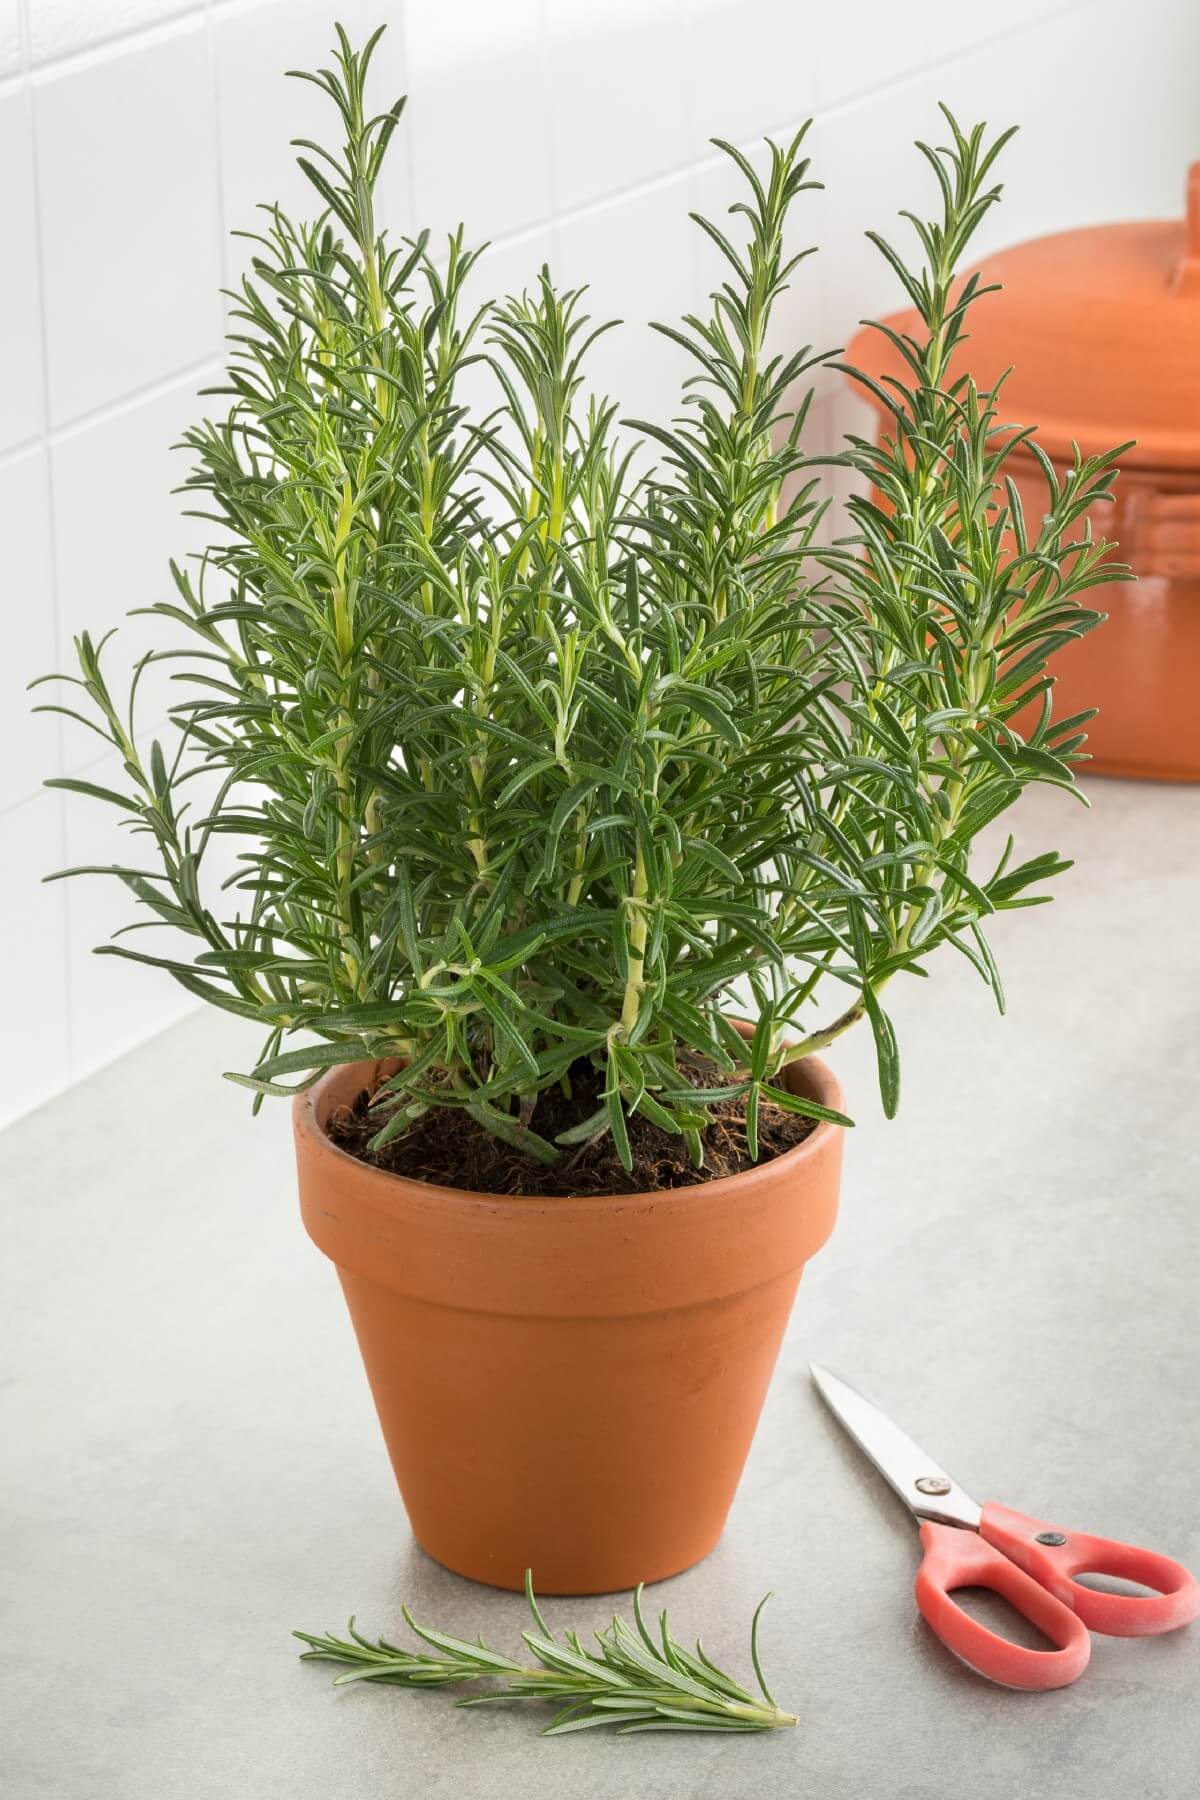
(1028, 1562)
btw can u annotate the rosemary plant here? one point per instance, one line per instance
(528, 757)
(635, 1681)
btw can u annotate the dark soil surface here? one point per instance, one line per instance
(447, 1147)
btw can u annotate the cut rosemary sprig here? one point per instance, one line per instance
(636, 1681)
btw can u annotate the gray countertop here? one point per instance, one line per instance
(193, 1465)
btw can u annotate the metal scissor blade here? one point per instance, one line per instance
(922, 1484)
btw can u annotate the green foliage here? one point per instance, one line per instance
(528, 757)
(638, 1680)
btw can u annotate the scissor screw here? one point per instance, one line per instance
(933, 1484)
(1053, 1538)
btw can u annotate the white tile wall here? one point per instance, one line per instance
(648, 230)
(122, 465)
(57, 28)
(751, 72)
(131, 244)
(617, 94)
(135, 133)
(881, 43)
(259, 109)
(114, 1003)
(477, 77)
(34, 955)
(10, 37)
(29, 747)
(21, 382)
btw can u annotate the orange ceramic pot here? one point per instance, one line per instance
(568, 1385)
(1101, 329)
(1142, 666)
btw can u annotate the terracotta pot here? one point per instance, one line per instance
(1102, 331)
(569, 1385)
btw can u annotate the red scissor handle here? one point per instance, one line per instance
(956, 1559)
(1053, 1556)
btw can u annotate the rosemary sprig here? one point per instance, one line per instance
(636, 1681)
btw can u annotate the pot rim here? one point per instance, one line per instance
(309, 1114)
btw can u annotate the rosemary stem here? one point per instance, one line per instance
(638, 932)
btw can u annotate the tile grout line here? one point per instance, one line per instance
(206, 11)
(219, 139)
(44, 442)
(86, 766)
(52, 531)
(1026, 28)
(706, 163)
(115, 43)
(48, 438)
(127, 402)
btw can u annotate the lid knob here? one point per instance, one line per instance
(1187, 274)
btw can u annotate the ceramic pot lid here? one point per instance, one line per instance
(1102, 330)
